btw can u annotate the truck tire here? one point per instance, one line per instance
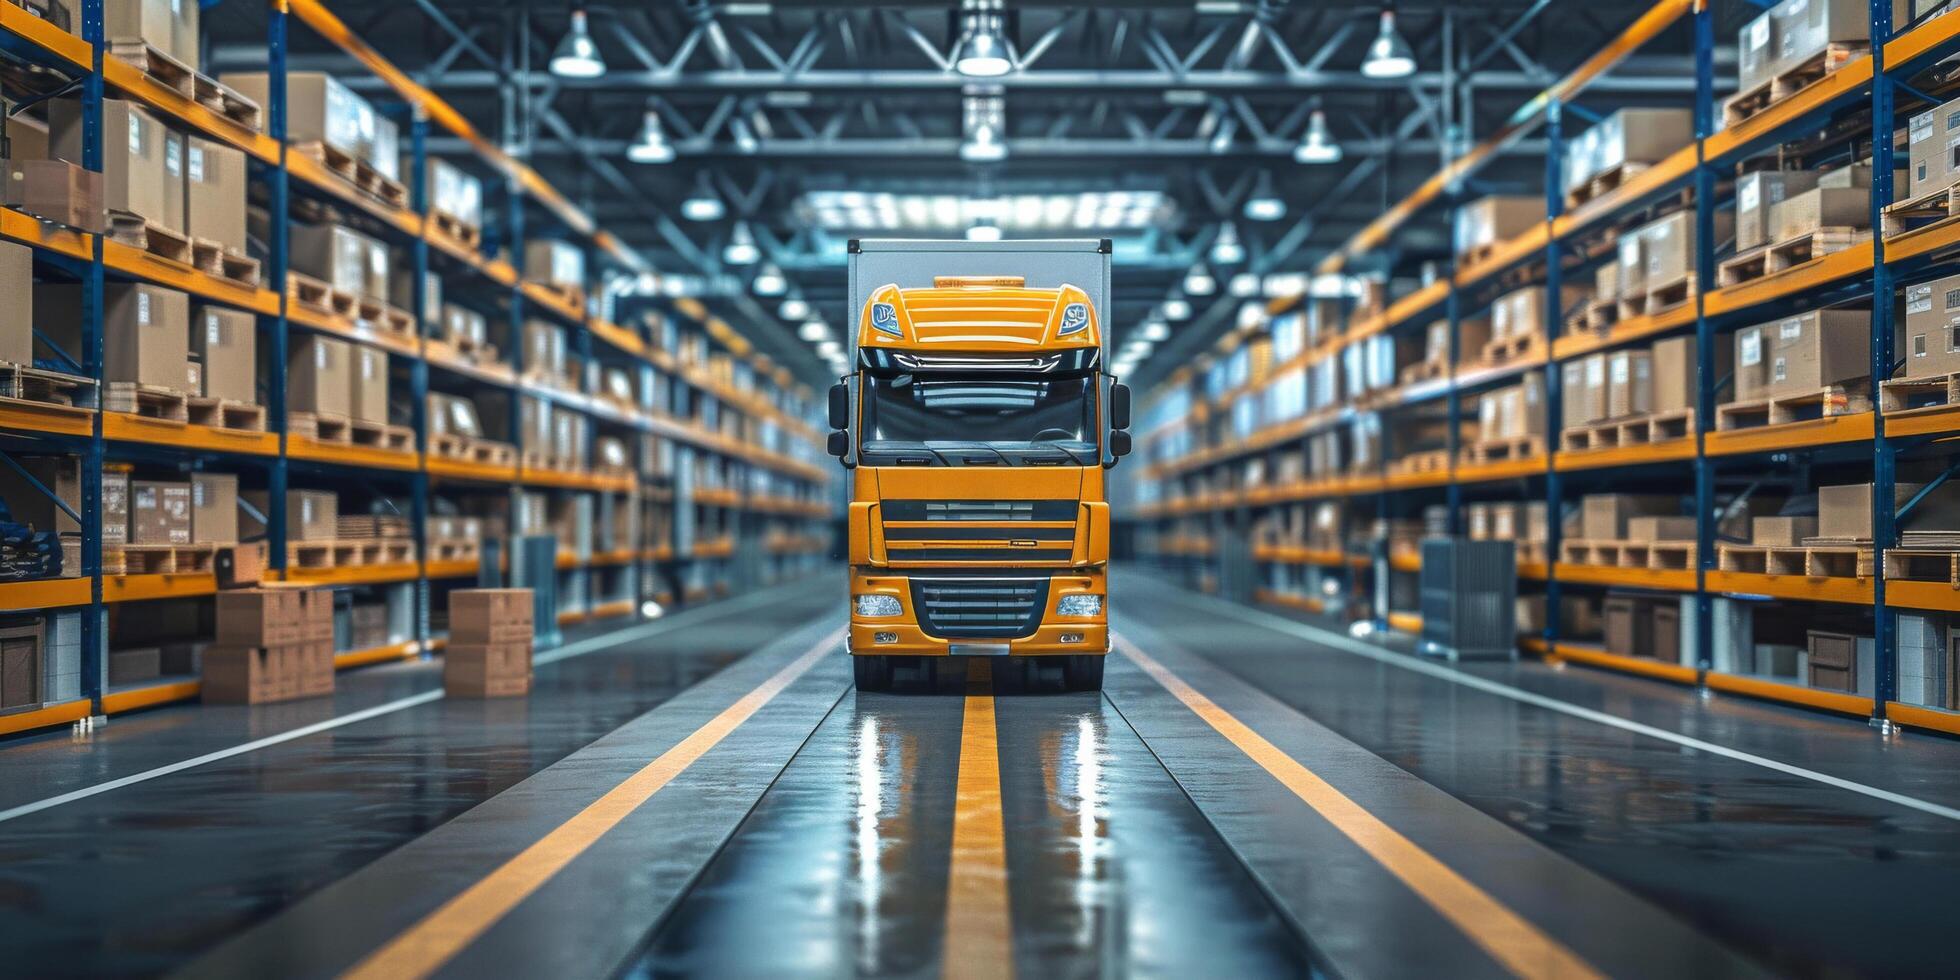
(1083, 672)
(872, 673)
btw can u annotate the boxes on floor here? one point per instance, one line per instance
(484, 616)
(487, 670)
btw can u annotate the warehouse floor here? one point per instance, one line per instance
(1252, 795)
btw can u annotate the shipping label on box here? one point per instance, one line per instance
(160, 512)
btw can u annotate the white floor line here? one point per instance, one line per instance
(1421, 666)
(584, 646)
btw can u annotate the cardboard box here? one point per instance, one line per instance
(63, 475)
(259, 617)
(1605, 515)
(226, 342)
(1845, 512)
(1651, 529)
(214, 192)
(342, 257)
(555, 262)
(368, 385)
(1629, 383)
(455, 193)
(17, 282)
(21, 651)
(1627, 136)
(1931, 347)
(1930, 150)
(490, 616)
(214, 508)
(1756, 196)
(1493, 219)
(311, 515)
(240, 674)
(471, 680)
(1667, 249)
(464, 327)
(1629, 625)
(319, 376)
(544, 349)
(170, 26)
(318, 109)
(239, 565)
(1804, 28)
(55, 190)
(1835, 660)
(1606, 281)
(173, 182)
(1674, 371)
(135, 665)
(1585, 390)
(1756, 53)
(1752, 347)
(159, 512)
(452, 415)
(1665, 632)
(133, 177)
(145, 329)
(1781, 532)
(401, 292)
(1820, 207)
(1816, 349)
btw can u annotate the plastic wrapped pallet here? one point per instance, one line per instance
(318, 109)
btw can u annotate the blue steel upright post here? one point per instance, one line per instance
(1453, 411)
(94, 625)
(1554, 377)
(1884, 457)
(418, 377)
(277, 246)
(1704, 115)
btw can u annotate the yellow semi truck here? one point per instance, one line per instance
(978, 422)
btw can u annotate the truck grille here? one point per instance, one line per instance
(979, 510)
(979, 608)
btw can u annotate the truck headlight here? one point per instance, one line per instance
(876, 605)
(1075, 317)
(1079, 605)
(884, 319)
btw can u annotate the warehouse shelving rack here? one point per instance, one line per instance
(1878, 83)
(780, 439)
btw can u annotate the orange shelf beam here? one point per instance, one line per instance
(137, 698)
(48, 716)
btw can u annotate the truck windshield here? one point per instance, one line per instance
(990, 419)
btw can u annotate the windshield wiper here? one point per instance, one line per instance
(1072, 455)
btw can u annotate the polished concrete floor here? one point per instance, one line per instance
(1253, 794)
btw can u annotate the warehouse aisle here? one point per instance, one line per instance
(1247, 798)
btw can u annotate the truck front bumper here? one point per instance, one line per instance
(903, 636)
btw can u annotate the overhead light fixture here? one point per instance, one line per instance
(744, 135)
(1388, 55)
(1252, 314)
(704, 204)
(983, 145)
(577, 55)
(982, 49)
(813, 330)
(1221, 140)
(1137, 350)
(769, 281)
(1317, 146)
(1156, 331)
(1177, 308)
(741, 248)
(1244, 284)
(793, 309)
(983, 118)
(1198, 282)
(983, 233)
(1264, 204)
(1225, 249)
(830, 349)
(652, 146)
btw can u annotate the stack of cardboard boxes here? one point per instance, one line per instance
(1802, 355)
(1484, 223)
(489, 651)
(1649, 386)
(319, 109)
(1655, 264)
(556, 264)
(335, 380)
(272, 644)
(1620, 145)
(1511, 418)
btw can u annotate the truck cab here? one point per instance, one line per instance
(978, 424)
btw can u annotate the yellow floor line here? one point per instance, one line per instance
(1515, 943)
(979, 939)
(424, 947)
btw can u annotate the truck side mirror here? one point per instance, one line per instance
(839, 443)
(1119, 408)
(840, 408)
(1120, 443)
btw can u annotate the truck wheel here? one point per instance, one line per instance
(872, 673)
(1083, 672)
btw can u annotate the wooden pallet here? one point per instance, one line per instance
(1810, 561)
(570, 295)
(32, 384)
(457, 549)
(1923, 566)
(162, 559)
(152, 61)
(1584, 552)
(1428, 461)
(1423, 371)
(363, 526)
(1828, 402)
(1603, 183)
(1669, 556)
(223, 413)
(148, 401)
(1476, 254)
(318, 296)
(344, 431)
(383, 316)
(1755, 101)
(456, 228)
(1768, 260)
(1657, 299)
(1902, 396)
(472, 450)
(349, 553)
(1926, 210)
(1504, 450)
(1611, 434)
(226, 101)
(145, 235)
(1504, 350)
(356, 171)
(212, 258)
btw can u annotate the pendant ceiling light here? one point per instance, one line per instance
(1388, 55)
(741, 248)
(1317, 146)
(652, 146)
(982, 48)
(577, 55)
